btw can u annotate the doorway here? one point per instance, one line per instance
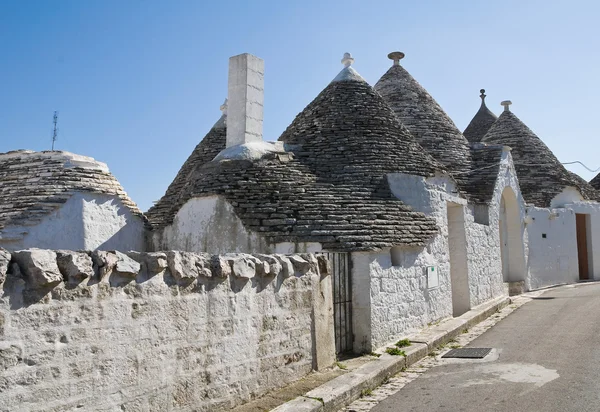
(457, 245)
(581, 223)
(512, 253)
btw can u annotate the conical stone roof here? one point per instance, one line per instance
(35, 184)
(330, 186)
(349, 133)
(210, 146)
(541, 175)
(481, 122)
(425, 119)
(595, 182)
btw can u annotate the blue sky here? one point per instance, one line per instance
(138, 83)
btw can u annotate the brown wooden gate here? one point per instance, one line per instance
(582, 246)
(342, 301)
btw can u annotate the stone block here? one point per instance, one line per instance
(220, 266)
(4, 262)
(74, 266)
(39, 267)
(126, 266)
(287, 268)
(242, 265)
(104, 262)
(182, 265)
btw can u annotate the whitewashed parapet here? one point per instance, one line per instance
(43, 269)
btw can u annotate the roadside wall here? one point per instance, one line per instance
(169, 331)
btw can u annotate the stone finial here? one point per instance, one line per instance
(347, 60)
(223, 108)
(396, 57)
(482, 95)
(506, 104)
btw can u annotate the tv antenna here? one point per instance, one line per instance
(55, 132)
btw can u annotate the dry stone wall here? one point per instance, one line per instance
(162, 331)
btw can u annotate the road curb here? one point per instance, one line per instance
(341, 391)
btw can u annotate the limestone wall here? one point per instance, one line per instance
(170, 331)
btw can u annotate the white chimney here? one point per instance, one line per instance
(245, 99)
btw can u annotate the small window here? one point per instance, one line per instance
(543, 236)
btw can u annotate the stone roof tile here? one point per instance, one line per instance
(426, 120)
(209, 147)
(541, 175)
(35, 184)
(330, 186)
(481, 122)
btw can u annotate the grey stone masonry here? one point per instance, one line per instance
(426, 120)
(541, 175)
(485, 165)
(34, 184)
(595, 182)
(481, 122)
(330, 187)
(214, 141)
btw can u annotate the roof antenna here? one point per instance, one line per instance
(55, 132)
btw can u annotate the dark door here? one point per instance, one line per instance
(342, 301)
(582, 247)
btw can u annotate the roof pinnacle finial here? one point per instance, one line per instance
(347, 60)
(482, 95)
(506, 104)
(396, 57)
(223, 108)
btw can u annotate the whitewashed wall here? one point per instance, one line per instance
(208, 224)
(159, 337)
(87, 221)
(391, 296)
(485, 264)
(553, 259)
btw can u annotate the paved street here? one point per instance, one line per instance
(546, 358)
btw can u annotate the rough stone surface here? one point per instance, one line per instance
(74, 266)
(35, 185)
(39, 266)
(541, 175)
(595, 182)
(209, 147)
(155, 345)
(481, 122)
(426, 120)
(4, 263)
(104, 263)
(126, 266)
(330, 188)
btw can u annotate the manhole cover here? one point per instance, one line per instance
(468, 353)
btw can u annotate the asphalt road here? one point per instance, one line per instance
(546, 358)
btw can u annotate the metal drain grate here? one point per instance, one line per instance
(468, 353)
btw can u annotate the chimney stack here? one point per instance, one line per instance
(245, 99)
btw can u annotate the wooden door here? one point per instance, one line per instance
(582, 247)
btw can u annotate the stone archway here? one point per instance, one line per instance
(511, 238)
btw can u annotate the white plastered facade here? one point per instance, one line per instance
(392, 294)
(87, 221)
(553, 253)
